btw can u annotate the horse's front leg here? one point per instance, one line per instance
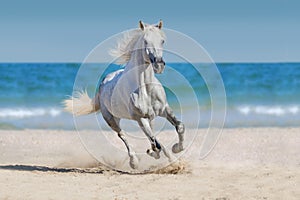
(168, 113)
(156, 147)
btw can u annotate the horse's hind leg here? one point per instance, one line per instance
(133, 159)
(146, 126)
(168, 113)
(114, 123)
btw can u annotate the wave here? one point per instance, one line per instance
(20, 113)
(237, 116)
(269, 110)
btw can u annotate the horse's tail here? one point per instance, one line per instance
(81, 104)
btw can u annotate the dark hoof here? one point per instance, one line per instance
(177, 148)
(154, 154)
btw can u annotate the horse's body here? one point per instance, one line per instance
(134, 92)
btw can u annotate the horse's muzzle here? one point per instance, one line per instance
(158, 65)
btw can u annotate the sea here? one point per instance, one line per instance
(257, 94)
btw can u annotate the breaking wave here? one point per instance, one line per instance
(20, 113)
(269, 110)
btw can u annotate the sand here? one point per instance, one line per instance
(248, 163)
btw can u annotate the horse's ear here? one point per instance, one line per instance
(141, 25)
(160, 24)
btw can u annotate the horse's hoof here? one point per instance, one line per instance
(180, 128)
(154, 154)
(177, 148)
(133, 162)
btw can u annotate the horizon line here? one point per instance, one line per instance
(220, 62)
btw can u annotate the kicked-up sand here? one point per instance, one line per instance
(246, 163)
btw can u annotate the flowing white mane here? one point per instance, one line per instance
(124, 48)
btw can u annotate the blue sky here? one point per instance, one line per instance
(231, 30)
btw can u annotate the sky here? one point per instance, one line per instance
(230, 31)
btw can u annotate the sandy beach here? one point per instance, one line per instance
(247, 163)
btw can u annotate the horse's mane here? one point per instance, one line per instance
(123, 50)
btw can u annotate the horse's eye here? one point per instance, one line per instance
(162, 41)
(145, 42)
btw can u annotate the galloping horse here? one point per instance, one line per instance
(133, 92)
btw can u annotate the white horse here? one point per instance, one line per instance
(133, 92)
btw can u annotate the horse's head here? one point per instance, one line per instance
(153, 45)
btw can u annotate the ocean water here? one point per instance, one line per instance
(257, 94)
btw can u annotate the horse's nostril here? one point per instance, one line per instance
(152, 58)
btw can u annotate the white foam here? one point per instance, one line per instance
(269, 110)
(245, 110)
(28, 112)
(294, 109)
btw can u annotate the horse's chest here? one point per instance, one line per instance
(146, 106)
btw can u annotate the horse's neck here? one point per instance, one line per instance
(140, 72)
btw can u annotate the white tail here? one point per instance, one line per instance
(81, 104)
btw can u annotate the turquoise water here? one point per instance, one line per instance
(258, 94)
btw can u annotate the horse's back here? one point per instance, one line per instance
(109, 77)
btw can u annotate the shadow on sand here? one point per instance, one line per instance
(179, 167)
(51, 169)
